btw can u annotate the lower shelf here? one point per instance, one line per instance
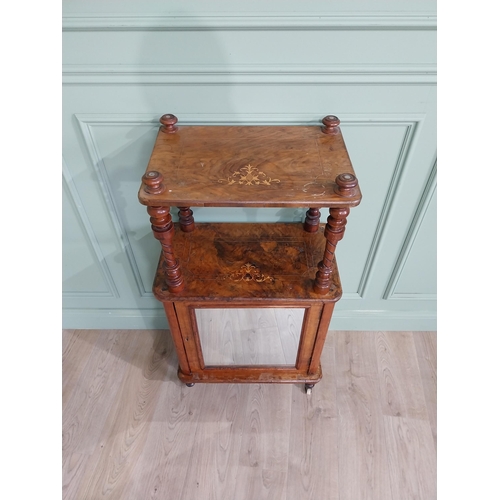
(248, 261)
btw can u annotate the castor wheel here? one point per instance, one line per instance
(309, 388)
(190, 384)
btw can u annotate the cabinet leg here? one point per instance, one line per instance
(190, 384)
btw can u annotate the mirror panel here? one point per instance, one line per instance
(249, 336)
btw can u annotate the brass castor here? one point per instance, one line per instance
(309, 388)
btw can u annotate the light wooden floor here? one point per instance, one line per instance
(132, 431)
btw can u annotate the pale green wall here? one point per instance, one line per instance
(127, 63)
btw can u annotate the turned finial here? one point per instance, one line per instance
(345, 184)
(153, 182)
(168, 121)
(331, 124)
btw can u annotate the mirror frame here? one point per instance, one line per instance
(185, 314)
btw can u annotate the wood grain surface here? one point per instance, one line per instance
(402, 392)
(426, 346)
(248, 261)
(265, 166)
(362, 451)
(132, 430)
(76, 351)
(313, 456)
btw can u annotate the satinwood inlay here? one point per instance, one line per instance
(249, 176)
(249, 272)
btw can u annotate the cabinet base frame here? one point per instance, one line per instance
(250, 375)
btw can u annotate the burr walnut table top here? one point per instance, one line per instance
(248, 261)
(244, 166)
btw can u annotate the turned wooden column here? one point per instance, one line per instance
(311, 223)
(163, 231)
(345, 186)
(186, 219)
(334, 231)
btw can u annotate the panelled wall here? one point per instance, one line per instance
(127, 63)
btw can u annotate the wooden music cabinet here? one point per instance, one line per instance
(249, 302)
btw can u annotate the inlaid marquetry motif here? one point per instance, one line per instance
(249, 176)
(248, 272)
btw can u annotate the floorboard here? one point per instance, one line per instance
(132, 430)
(363, 459)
